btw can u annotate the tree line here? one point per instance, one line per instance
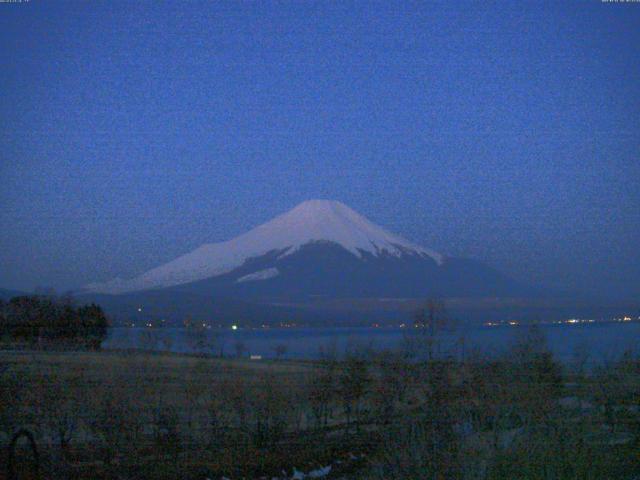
(46, 321)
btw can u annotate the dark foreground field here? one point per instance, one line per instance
(132, 415)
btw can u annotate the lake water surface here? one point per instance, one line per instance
(603, 341)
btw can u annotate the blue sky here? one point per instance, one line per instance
(503, 131)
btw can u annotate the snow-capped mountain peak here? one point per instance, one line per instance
(318, 220)
(310, 221)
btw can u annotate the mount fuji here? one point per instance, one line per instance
(311, 222)
(319, 250)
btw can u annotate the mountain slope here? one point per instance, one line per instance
(311, 221)
(326, 270)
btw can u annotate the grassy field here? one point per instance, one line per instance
(104, 414)
(95, 365)
(151, 415)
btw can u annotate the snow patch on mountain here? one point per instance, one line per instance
(260, 275)
(310, 221)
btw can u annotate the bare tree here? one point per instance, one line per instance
(270, 409)
(280, 350)
(616, 390)
(240, 348)
(217, 342)
(116, 418)
(353, 382)
(11, 390)
(167, 341)
(166, 428)
(149, 337)
(538, 377)
(196, 380)
(219, 411)
(391, 383)
(430, 321)
(321, 391)
(196, 336)
(59, 405)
